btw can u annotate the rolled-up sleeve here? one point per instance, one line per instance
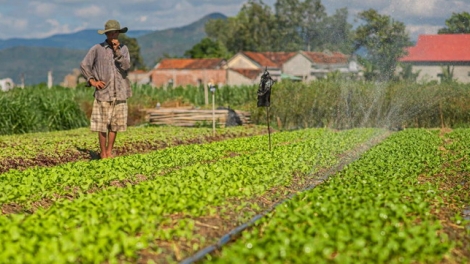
(86, 66)
(123, 58)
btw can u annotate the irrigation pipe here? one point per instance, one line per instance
(237, 231)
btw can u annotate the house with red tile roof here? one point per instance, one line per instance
(246, 68)
(309, 66)
(434, 54)
(171, 72)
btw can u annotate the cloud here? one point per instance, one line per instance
(42, 9)
(41, 17)
(89, 11)
(12, 24)
(416, 30)
(409, 8)
(55, 27)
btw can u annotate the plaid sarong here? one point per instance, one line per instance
(109, 116)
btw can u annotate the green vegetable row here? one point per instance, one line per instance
(115, 223)
(55, 144)
(374, 211)
(32, 185)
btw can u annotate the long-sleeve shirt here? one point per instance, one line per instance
(101, 63)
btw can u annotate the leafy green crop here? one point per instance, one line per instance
(116, 222)
(374, 211)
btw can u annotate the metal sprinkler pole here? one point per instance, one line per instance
(212, 89)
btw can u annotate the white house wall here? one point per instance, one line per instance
(298, 66)
(237, 79)
(431, 72)
(241, 62)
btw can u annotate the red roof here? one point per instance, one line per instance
(169, 63)
(248, 73)
(269, 59)
(440, 48)
(326, 58)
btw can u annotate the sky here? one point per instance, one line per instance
(44, 18)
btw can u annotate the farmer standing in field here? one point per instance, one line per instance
(105, 67)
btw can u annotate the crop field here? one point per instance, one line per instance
(173, 195)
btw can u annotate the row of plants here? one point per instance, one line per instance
(57, 142)
(119, 223)
(379, 209)
(331, 103)
(40, 109)
(70, 179)
(454, 188)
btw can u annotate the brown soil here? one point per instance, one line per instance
(457, 186)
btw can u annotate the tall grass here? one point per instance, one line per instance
(336, 104)
(39, 109)
(343, 105)
(146, 96)
(327, 103)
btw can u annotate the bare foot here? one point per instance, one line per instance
(103, 155)
(110, 154)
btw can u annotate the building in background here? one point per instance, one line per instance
(6, 84)
(310, 66)
(170, 72)
(245, 68)
(435, 57)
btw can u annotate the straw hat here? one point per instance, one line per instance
(112, 25)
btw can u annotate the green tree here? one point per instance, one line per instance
(458, 23)
(370, 71)
(447, 75)
(337, 32)
(137, 63)
(254, 27)
(288, 25)
(221, 30)
(313, 15)
(384, 41)
(407, 73)
(295, 25)
(250, 30)
(207, 48)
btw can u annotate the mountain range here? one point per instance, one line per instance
(32, 59)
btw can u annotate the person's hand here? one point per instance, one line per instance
(115, 43)
(98, 84)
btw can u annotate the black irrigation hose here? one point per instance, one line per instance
(236, 232)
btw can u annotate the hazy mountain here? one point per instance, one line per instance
(33, 58)
(80, 40)
(34, 63)
(173, 41)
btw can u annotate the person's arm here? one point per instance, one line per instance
(122, 57)
(86, 67)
